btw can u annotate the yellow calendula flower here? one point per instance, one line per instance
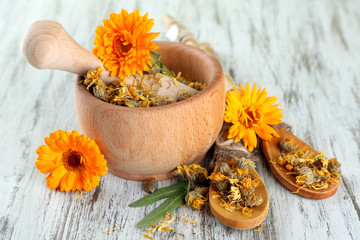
(251, 112)
(124, 43)
(74, 161)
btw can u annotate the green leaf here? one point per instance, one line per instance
(159, 63)
(160, 194)
(157, 55)
(159, 213)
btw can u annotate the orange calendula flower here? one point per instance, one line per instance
(74, 161)
(251, 112)
(124, 43)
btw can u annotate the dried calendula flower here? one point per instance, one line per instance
(221, 181)
(311, 170)
(334, 166)
(286, 145)
(225, 169)
(138, 95)
(197, 198)
(244, 163)
(236, 188)
(150, 185)
(193, 172)
(93, 80)
(196, 85)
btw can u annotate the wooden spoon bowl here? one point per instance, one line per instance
(140, 143)
(237, 219)
(272, 151)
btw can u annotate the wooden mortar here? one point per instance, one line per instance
(140, 143)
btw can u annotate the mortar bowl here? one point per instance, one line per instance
(141, 143)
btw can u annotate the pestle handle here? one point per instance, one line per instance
(47, 45)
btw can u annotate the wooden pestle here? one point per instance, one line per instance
(47, 45)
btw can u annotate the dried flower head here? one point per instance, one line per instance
(225, 169)
(286, 145)
(244, 163)
(253, 201)
(95, 84)
(150, 185)
(334, 166)
(251, 114)
(124, 43)
(192, 172)
(74, 161)
(197, 198)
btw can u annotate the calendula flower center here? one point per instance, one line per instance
(72, 160)
(249, 116)
(122, 47)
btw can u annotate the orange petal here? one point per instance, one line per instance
(68, 182)
(47, 160)
(250, 140)
(53, 180)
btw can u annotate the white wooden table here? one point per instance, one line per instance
(307, 53)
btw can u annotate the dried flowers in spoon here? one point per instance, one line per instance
(237, 196)
(311, 169)
(301, 168)
(236, 185)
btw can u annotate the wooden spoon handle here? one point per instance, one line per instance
(47, 45)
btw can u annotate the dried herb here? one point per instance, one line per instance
(140, 94)
(192, 173)
(160, 194)
(150, 185)
(168, 206)
(311, 170)
(197, 198)
(236, 186)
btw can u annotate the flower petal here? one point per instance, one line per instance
(54, 179)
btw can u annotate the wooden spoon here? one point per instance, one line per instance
(272, 151)
(237, 219)
(47, 45)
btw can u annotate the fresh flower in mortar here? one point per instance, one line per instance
(124, 43)
(74, 161)
(251, 112)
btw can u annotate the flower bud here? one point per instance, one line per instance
(150, 186)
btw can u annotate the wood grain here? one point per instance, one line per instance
(306, 53)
